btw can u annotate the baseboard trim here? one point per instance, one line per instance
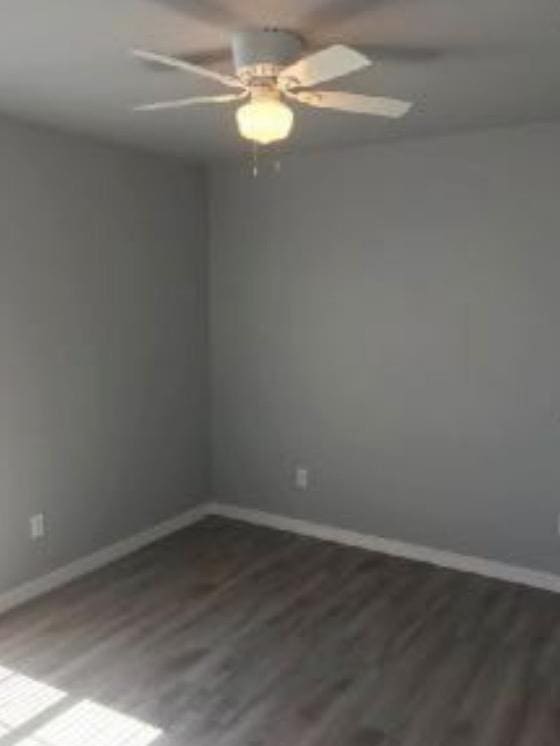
(464, 563)
(442, 558)
(63, 575)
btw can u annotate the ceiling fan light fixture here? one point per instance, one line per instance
(265, 120)
(270, 70)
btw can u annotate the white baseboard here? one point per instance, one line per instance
(83, 565)
(462, 562)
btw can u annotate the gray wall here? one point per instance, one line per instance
(390, 317)
(102, 345)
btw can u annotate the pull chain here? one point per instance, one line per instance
(255, 160)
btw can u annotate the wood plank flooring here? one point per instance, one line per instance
(227, 634)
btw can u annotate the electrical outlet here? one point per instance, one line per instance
(302, 478)
(37, 526)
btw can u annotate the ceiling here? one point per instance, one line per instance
(466, 64)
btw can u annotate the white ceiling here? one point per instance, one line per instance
(467, 64)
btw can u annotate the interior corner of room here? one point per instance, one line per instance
(382, 318)
(279, 365)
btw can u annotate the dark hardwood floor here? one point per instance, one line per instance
(227, 634)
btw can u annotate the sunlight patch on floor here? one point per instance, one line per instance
(90, 724)
(23, 698)
(83, 724)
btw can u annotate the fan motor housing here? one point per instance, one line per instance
(263, 53)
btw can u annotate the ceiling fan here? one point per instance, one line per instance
(270, 70)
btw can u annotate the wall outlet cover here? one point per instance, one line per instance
(37, 526)
(302, 477)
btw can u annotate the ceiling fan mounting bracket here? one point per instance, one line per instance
(260, 73)
(305, 97)
(264, 90)
(262, 53)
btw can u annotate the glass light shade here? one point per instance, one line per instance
(265, 120)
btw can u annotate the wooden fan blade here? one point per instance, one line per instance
(192, 101)
(327, 64)
(208, 12)
(334, 12)
(420, 53)
(353, 102)
(402, 52)
(180, 64)
(214, 58)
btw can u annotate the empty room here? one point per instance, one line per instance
(279, 373)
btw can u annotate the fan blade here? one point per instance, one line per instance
(403, 52)
(207, 12)
(329, 63)
(422, 53)
(217, 59)
(190, 67)
(334, 12)
(353, 102)
(193, 101)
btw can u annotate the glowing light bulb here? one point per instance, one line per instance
(265, 119)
